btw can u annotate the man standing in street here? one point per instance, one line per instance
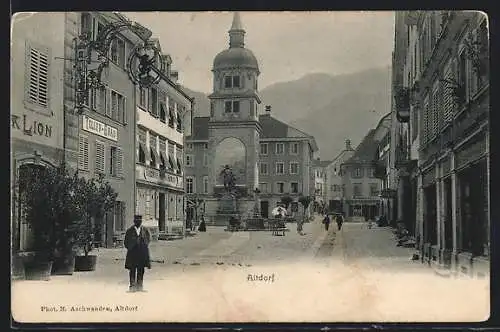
(340, 221)
(137, 240)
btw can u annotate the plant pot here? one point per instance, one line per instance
(17, 268)
(64, 265)
(85, 263)
(37, 269)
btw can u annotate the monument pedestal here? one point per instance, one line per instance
(218, 211)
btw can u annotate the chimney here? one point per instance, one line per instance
(174, 76)
(348, 144)
(268, 109)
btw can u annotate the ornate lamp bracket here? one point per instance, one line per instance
(145, 64)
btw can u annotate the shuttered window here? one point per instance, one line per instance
(117, 106)
(425, 121)
(37, 75)
(435, 112)
(115, 161)
(99, 157)
(83, 153)
(448, 100)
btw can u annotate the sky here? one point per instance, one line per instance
(288, 45)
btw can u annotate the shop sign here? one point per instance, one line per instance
(29, 126)
(99, 128)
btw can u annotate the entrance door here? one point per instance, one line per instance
(161, 215)
(264, 209)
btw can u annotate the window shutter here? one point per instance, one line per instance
(38, 75)
(119, 162)
(124, 110)
(83, 153)
(107, 105)
(448, 101)
(99, 157)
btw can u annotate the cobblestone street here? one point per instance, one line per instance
(356, 274)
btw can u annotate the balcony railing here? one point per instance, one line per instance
(159, 176)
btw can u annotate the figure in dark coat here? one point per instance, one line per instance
(340, 221)
(137, 240)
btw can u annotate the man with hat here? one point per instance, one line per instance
(137, 240)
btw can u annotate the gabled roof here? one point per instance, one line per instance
(200, 128)
(365, 151)
(321, 163)
(271, 128)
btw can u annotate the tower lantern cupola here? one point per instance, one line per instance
(236, 33)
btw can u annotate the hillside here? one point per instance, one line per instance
(330, 107)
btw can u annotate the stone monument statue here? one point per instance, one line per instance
(228, 179)
(228, 199)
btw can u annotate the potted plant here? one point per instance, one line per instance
(66, 226)
(36, 188)
(94, 197)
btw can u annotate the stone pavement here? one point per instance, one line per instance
(354, 282)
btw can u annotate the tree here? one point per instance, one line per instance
(286, 200)
(305, 201)
(94, 197)
(46, 197)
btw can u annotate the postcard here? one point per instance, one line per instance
(250, 167)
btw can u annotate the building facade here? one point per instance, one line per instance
(362, 174)
(36, 115)
(105, 139)
(262, 152)
(163, 117)
(320, 181)
(443, 101)
(334, 187)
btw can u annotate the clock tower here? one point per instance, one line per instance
(233, 126)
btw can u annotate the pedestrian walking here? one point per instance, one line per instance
(137, 239)
(326, 222)
(340, 221)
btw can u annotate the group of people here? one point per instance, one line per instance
(339, 219)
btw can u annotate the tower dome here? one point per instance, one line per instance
(236, 55)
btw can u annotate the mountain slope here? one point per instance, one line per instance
(332, 108)
(296, 99)
(202, 103)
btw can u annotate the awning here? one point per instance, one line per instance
(165, 158)
(179, 166)
(170, 164)
(145, 150)
(155, 154)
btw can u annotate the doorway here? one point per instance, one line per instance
(161, 215)
(264, 209)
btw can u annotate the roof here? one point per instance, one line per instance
(271, 128)
(365, 151)
(200, 128)
(321, 163)
(237, 22)
(235, 57)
